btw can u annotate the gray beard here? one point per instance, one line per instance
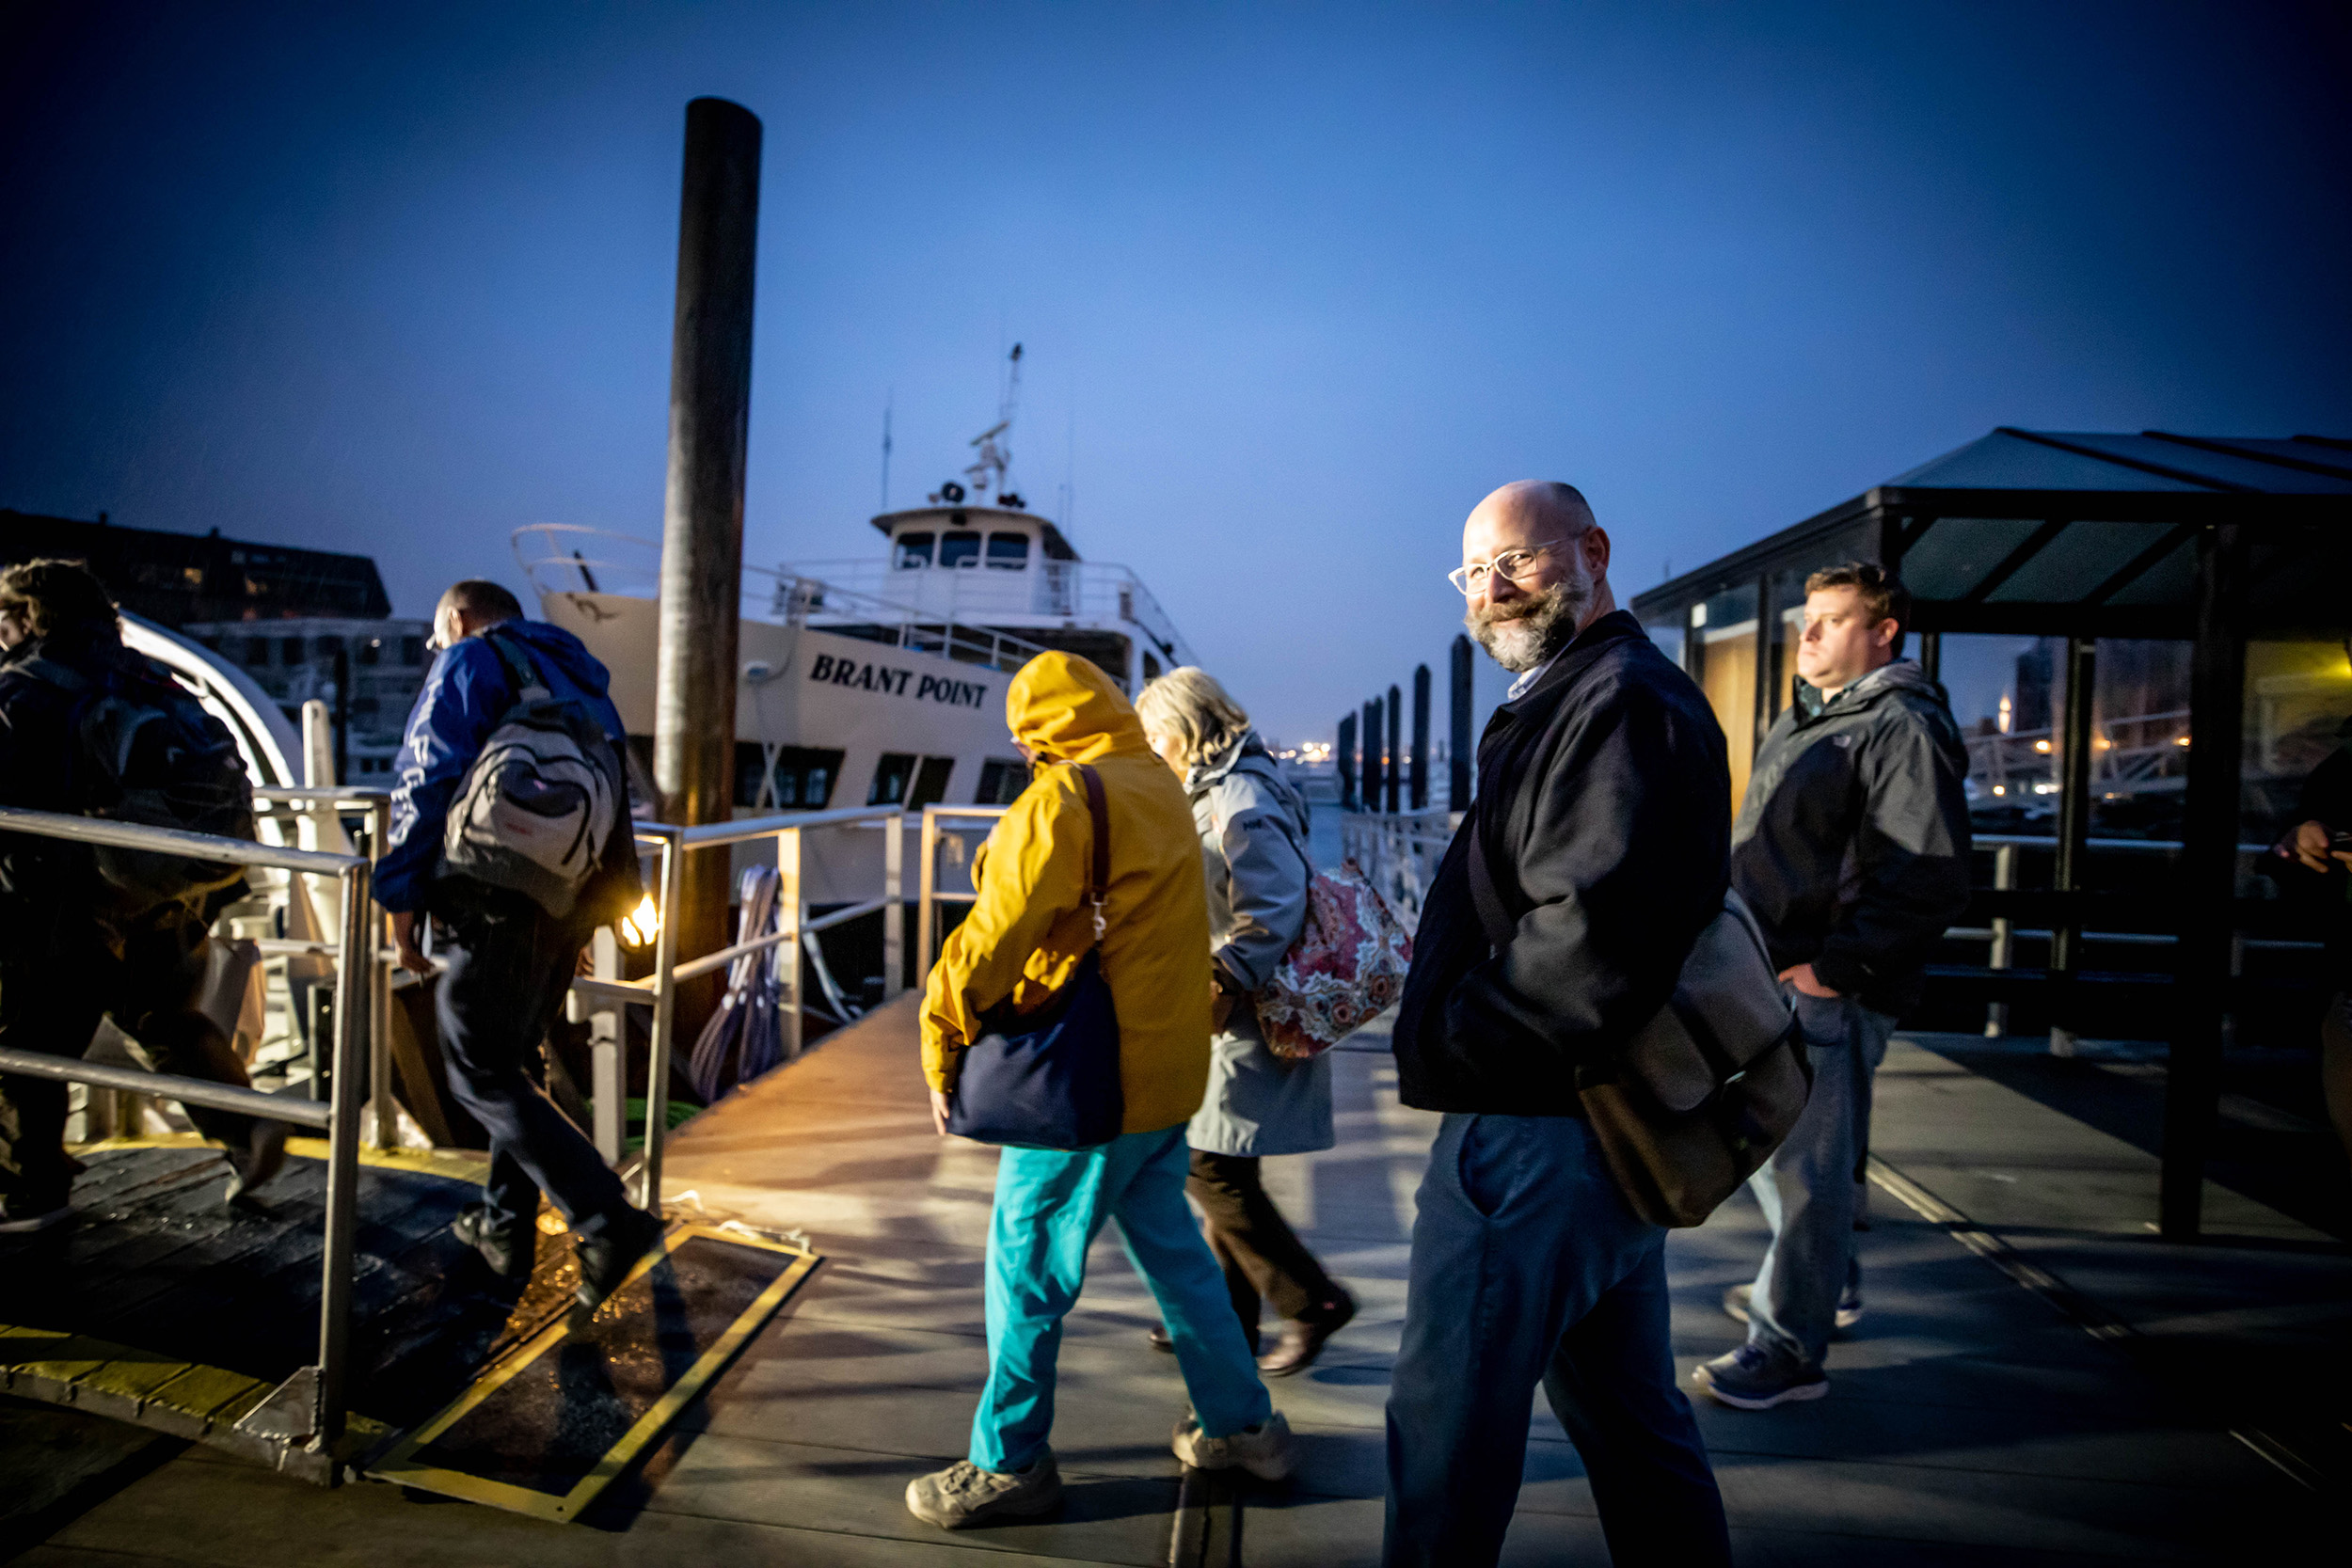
(1546, 625)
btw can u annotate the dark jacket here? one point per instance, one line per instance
(1852, 847)
(2327, 797)
(466, 693)
(1604, 809)
(36, 752)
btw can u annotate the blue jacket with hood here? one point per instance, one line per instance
(466, 693)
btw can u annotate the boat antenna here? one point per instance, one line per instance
(888, 398)
(992, 468)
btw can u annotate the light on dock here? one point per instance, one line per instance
(642, 924)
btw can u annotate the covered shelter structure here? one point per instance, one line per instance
(2145, 640)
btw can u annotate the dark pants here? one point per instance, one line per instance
(1263, 1258)
(58, 979)
(502, 984)
(1529, 1267)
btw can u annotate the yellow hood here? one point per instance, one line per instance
(1064, 707)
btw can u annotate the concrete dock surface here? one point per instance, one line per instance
(2037, 1379)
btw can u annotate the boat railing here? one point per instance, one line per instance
(1092, 590)
(572, 558)
(338, 1117)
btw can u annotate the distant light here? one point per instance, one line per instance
(1698, 615)
(2041, 746)
(2000, 789)
(2183, 741)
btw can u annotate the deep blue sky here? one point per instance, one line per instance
(1297, 285)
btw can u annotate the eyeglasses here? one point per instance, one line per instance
(1516, 565)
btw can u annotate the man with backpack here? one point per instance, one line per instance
(1599, 837)
(87, 726)
(1851, 850)
(510, 831)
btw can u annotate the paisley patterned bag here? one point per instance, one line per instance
(1347, 968)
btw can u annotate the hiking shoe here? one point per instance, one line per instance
(1263, 1450)
(29, 1214)
(1755, 1378)
(606, 1258)
(509, 1250)
(1849, 1304)
(261, 1158)
(963, 1494)
(1299, 1342)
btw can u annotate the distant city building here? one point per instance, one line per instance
(180, 578)
(377, 667)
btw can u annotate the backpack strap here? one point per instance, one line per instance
(519, 668)
(63, 676)
(1099, 873)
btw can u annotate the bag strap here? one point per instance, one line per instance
(1099, 874)
(519, 668)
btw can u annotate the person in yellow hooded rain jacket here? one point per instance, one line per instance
(1023, 940)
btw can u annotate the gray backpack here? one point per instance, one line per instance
(537, 807)
(1686, 1110)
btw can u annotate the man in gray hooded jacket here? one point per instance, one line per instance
(1852, 848)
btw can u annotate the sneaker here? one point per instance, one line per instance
(1755, 1378)
(30, 1214)
(963, 1494)
(606, 1258)
(1299, 1343)
(510, 1249)
(1849, 1304)
(259, 1160)
(1263, 1450)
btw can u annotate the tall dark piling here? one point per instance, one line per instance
(1421, 737)
(1344, 754)
(1372, 755)
(1459, 749)
(702, 518)
(1396, 749)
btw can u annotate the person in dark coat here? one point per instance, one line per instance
(2322, 843)
(1603, 820)
(1851, 850)
(65, 962)
(508, 963)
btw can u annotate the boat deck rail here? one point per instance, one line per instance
(1052, 591)
(338, 1117)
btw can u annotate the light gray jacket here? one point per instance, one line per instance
(1253, 836)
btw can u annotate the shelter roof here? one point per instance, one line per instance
(2011, 459)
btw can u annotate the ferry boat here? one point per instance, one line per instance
(875, 682)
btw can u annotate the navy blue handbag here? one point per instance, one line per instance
(1049, 1078)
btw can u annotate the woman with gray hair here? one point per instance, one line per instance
(1253, 849)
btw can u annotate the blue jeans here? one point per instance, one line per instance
(501, 986)
(1810, 1189)
(1528, 1267)
(1050, 1206)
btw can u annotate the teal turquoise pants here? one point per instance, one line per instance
(1050, 1206)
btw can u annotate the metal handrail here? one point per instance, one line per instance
(927, 917)
(383, 1118)
(339, 1117)
(606, 991)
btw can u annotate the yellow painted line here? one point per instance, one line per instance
(459, 1165)
(400, 1465)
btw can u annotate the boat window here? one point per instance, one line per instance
(257, 652)
(914, 550)
(1001, 781)
(801, 778)
(371, 651)
(1008, 552)
(891, 775)
(290, 650)
(412, 651)
(1150, 668)
(930, 783)
(959, 548)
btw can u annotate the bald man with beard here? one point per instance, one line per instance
(1596, 852)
